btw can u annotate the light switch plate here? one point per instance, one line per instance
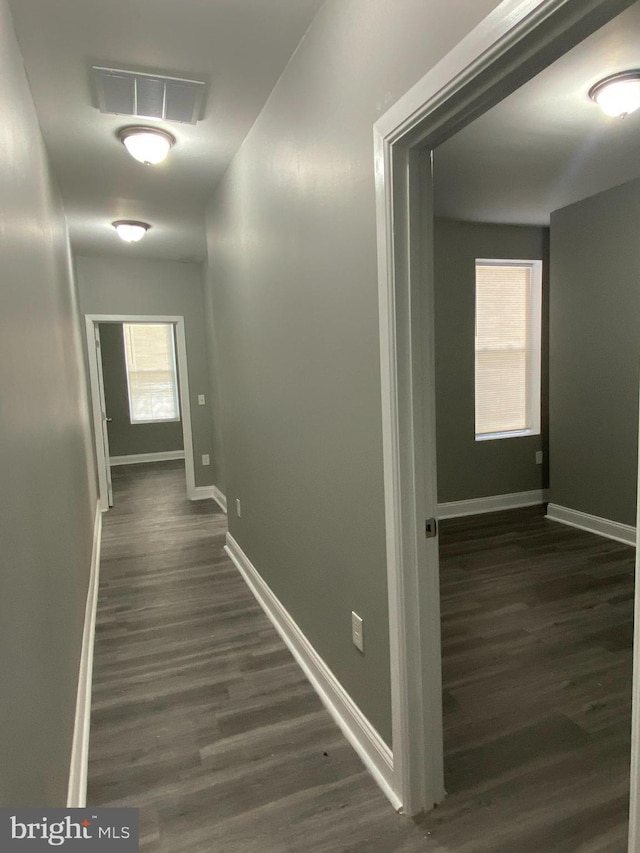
(201, 399)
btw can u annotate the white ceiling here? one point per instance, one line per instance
(240, 47)
(547, 145)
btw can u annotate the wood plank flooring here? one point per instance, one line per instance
(202, 719)
(537, 641)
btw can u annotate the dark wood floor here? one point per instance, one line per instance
(537, 637)
(202, 719)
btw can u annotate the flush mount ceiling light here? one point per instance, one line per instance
(619, 94)
(149, 145)
(131, 231)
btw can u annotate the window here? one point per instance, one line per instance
(150, 357)
(508, 348)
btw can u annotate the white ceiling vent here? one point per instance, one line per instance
(130, 93)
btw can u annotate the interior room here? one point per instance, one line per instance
(142, 404)
(537, 524)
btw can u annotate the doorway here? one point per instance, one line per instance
(511, 46)
(98, 404)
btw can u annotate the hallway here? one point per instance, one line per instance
(201, 718)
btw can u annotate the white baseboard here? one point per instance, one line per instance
(593, 523)
(201, 493)
(77, 789)
(495, 503)
(137, 458)
(220, 499)
(374, 752)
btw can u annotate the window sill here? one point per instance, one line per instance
(156, 421)
(520, 433)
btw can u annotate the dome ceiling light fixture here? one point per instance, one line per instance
(619, 94)
(130, 230)
(149, 145)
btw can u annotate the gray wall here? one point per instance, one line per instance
(125, 438)
(468, 468)
(138, 286)
(47, 486)
(594, 354)
(292, 249)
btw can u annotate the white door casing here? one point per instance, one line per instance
(98, 407)
(103, 412)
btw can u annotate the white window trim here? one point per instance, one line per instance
(534, 377)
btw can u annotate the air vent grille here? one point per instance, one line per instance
(130, 93)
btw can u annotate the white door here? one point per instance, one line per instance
(104, 420)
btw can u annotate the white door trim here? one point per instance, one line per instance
(96, 393)
(91, 321)
(516, 41)
(78, 769)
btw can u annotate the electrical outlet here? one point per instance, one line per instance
(205, 459)
(201, 399)
(238, 509)
(357, 631)
(539, 457)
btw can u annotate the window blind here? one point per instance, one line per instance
(151, 372)
(503, 372)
